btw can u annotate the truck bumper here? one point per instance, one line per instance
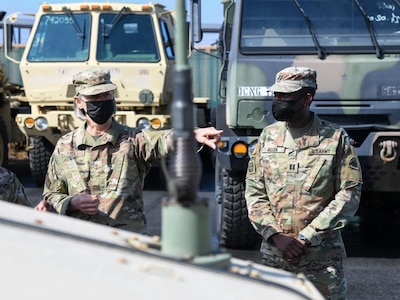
(59, 123)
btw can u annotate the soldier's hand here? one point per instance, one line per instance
(289, 245)
(43, 205)
(208, 136)
(85, 203)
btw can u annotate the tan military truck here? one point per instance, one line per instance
(12, 99)
(134, 41)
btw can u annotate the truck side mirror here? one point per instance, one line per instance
(2, 14)
(196, 31)
(9, 37)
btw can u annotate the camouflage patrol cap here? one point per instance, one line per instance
(93, 82)
(293, 79)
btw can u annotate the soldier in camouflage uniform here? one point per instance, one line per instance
(97, 171)
(303, 184)
(11, 189)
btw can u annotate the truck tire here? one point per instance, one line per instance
(235, 230)
(3, 143)
(39, 156)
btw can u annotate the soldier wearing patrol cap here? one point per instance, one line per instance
(97, 171)
(303, 184)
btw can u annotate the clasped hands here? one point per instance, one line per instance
(290, 245)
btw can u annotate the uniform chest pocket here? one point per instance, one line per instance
(321, 174)
(75, 176)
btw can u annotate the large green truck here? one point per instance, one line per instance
(134, 41)
(353, 45)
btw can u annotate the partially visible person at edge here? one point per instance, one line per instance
(97, 171)
(11, 189)
(303, 184)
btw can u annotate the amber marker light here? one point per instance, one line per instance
(146, 8)
(84, 7)
(155, 123)
(223, 145)
(239, 150)
(29, 123)
(46, 7)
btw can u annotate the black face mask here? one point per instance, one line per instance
(100, 111)
(282, 110)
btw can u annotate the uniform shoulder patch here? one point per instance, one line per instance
(353, 163)
(251, 167)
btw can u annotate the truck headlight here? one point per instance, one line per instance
(41, 123)
(143, 123)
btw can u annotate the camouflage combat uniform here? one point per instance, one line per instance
(308, 186)
(11, 189)
(113, 166)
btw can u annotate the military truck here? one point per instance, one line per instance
(12, 99)
(134, 41)
(353, 45)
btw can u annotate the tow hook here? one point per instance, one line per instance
(388, 150)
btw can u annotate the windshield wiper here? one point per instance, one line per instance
(313, 32)
(81, 33)
(371, 29)
(116, 19)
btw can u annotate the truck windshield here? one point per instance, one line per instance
(328, 26)
(61, 37)
(126, 37)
